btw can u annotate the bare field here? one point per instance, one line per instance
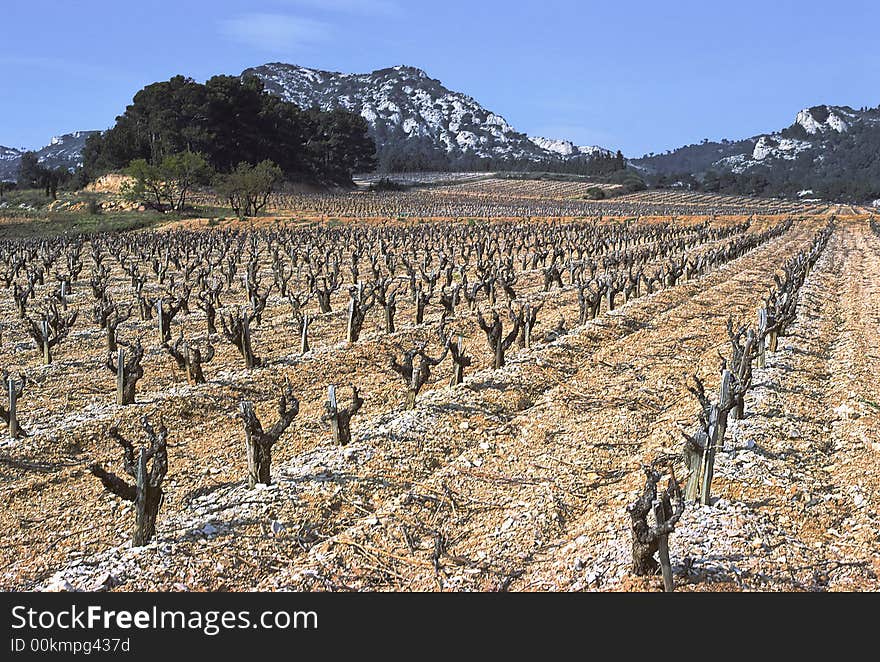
(516, 199)
(517, 478)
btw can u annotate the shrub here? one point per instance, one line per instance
(167, 184)
(386, 184)
(92, 205)
(634, 183)
(248, 187)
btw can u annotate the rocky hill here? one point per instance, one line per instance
(415, 119)
(63, 151)
(417, 123)
(9, 160)
(829, 151)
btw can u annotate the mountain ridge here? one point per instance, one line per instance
(830, 151)
(63, 151)
(413, 116)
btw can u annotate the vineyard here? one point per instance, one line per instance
(513, 199)
(535, 189)
(660, 390)
(420, 178)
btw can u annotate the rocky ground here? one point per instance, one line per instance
(517, 479)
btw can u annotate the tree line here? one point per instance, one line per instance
(841, 167)
(229, 132)
(33, 174)
(231, 121)
(421, 154)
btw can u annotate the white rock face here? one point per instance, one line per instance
(62, 151)
(837, 123)
(819, 134)
(807, 118)
(9, 153)
(65, 150)
(737, 163)
(780, 148)
(404, 102)
(562, 147)
(593, 150)
(568, 148)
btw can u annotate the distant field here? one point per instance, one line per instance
(525, 188)
(420, 178)
(510, 198)
(29, 213)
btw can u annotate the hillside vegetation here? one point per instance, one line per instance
(829, 152)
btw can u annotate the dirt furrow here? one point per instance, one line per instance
(483, 521)
(796, 488)
(209, 453)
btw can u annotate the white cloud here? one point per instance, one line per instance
(363, 7)
(275, 32)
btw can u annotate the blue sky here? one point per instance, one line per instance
(639, 76)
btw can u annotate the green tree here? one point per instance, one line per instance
(182, 172)
(248, 187)
(230, 120)
(339, 144)
(146, 185)
(167, 185)
(30, 173)
(711, 182)
(632, 183)
(52, 179)
(79, 179)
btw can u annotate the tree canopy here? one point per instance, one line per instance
(33, 174)
(230, 121)
(165, 186)
(247, 188)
